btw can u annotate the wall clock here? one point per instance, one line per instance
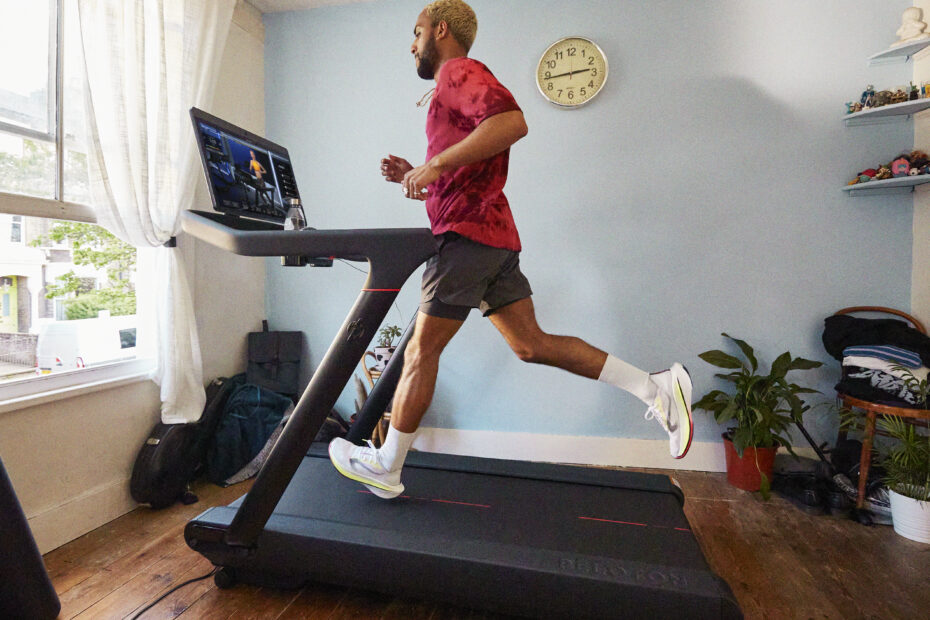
(571, 72)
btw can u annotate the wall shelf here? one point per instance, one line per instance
(887, 113)
(899, 54)
(898, 185)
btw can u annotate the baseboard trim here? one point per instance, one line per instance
(579, 450)
(60, 524)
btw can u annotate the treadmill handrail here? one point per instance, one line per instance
(336, 243)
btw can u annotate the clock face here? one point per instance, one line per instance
(571, 72)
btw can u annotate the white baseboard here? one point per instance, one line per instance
(55, 526)
(606, 451)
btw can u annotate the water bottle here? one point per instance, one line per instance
(294, 220)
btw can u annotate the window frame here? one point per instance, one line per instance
(30, 391)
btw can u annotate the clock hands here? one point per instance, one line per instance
(552, 77)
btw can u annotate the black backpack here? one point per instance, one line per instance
(173, 455)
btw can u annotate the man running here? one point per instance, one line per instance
(471, 124)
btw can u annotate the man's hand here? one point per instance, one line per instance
(394, 168)
(416, 180)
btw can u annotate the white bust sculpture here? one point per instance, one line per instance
(912, 28)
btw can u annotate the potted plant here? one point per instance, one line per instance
(385, 348)
(760, 409)
(906, 463)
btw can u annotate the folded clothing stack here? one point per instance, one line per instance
(884, 360)
(882, 374)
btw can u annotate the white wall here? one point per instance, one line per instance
(920, 269)
(230, 289)
(70, 460)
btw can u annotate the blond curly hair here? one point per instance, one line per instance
(459, 16)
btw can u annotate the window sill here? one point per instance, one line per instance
(50, 388)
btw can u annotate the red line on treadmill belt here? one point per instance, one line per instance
(447, 501)
(664, 527)
(612, 521)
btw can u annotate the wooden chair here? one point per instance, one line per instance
(373, 375)
(873, 410)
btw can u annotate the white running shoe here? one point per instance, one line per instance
(672, 407)
(361, 463)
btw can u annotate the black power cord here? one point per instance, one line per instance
(173, 590)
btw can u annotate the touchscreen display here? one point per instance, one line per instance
(246, 177)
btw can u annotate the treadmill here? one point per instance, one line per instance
(513, 537)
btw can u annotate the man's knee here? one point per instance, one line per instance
(531, 350)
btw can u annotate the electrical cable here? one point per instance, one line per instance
(173, 590)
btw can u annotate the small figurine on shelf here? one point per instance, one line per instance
(900, 167)
(884, 172)
(912, 28)
(863, 177)
(898, 96)
(914, 93)
(867, 95)
(853, 106)
(918, 159)
(881, 98)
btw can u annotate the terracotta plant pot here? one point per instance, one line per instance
(743, 472)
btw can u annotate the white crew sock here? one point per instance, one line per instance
(394, 450)
(630, 378)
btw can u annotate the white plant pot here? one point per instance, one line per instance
(911, 517)
(382, 357)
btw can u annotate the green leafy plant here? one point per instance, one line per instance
(387, 335)
(761, 407)
(906, 461)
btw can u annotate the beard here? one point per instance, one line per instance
(426, 62)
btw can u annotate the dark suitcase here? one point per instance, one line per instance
(173, 454)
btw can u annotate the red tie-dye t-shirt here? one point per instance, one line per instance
(469, 201)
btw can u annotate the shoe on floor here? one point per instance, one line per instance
(361, 463)
(672, 407)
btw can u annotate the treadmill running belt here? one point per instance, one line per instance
(512, 544)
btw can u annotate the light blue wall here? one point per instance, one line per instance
(699, 193)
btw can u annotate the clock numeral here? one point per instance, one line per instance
(549, 86)
(548, 75)
(571, 51)
(559, 55)
(571, 94)
(550, 64)
(583, 92)
(593, 72)
(591, 60)
(560, 94)
(591, 84)
(583, 51)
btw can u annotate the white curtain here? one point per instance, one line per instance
(146, 63)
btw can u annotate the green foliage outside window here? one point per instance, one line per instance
(95, 246)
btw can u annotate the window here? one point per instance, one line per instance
(67, 286)
(16, 229)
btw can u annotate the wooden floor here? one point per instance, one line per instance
(780, 563)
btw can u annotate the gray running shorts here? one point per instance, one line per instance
(465, 275)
